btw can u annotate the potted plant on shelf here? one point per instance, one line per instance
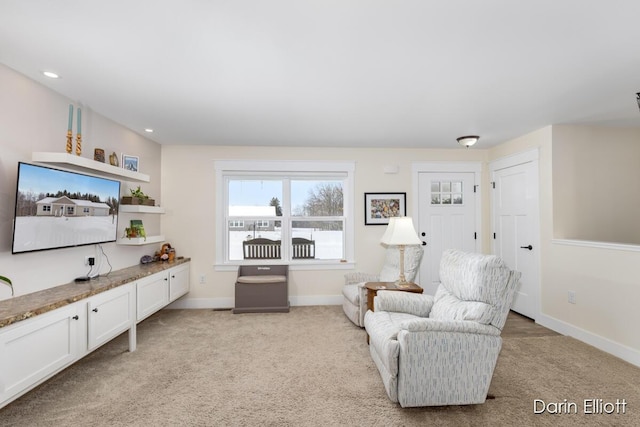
(137, 198)
(6, 281)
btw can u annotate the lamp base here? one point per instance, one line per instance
(402, 284)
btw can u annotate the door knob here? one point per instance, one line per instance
(527, 247)
(75, 317)
(95, 310)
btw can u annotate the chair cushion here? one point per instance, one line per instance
(267, 278)
(352, 293)
(448, 307)
(472, 287)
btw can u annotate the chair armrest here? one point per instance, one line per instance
(358, 277)
(462, 326)
(403, 302)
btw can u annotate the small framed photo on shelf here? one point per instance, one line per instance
(131, 163)
(379, 207)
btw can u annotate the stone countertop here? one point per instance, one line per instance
(26, 306)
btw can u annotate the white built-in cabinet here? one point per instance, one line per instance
(35, 349)
(156, 291)
(109, 314)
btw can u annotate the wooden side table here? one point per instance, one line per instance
(374, 287)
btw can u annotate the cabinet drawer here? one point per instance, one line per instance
(152, 294)
(109, 314)
(178, 281)
(35, 349)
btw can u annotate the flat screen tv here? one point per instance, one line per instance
(61, 209)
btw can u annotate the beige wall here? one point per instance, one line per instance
(596, 172)
(193, 232)
(34, 119)
(605, 280)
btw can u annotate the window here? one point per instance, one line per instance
(446, 193)
(305, 209)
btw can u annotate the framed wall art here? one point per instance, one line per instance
(131, 163)
(379, 207)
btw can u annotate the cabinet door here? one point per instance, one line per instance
(109, 314)
(35, 349)
(152, 293)
(178, 281)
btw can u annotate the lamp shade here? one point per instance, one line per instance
(400, 231)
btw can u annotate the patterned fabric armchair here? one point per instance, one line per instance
(354, 302)
(442, 349)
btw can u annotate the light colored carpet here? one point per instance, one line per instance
(307, 367)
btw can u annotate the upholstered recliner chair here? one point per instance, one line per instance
(442, 349)
(354, 302)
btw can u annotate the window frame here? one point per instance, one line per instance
(224, 169)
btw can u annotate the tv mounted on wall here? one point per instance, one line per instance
(61, 209)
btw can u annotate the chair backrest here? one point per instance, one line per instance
(303, 248)
(474, 287)
(261, 248)
(391, 268)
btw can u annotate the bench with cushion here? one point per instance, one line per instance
(262, 289)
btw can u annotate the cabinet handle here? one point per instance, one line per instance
(75, 317)
(95, 310)
(166, 278)
(173, 277)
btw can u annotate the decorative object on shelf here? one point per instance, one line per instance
(113, 159)
(130, 162)
(6, 281)
(379, 207)
(138, 228)
(70, 131)
(98, 155)
(468, 141)
(146, 259)
(401, 233)
(137, 198)
(79, 134)
(166, 253)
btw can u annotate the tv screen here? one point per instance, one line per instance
(60, 209)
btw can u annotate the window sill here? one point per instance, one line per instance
(301, 266)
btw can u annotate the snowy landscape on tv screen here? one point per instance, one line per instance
(58, 209)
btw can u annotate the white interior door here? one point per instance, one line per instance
(515, 222)
(447, 219)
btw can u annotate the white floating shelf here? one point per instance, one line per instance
(74, 162)
(141, 209)
(138, 241)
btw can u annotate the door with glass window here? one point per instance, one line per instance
(447, 220)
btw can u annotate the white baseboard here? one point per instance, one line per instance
(228, 303)
(624, 352)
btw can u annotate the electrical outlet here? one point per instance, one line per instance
(203, 279)
(89, 260)
(572, 297)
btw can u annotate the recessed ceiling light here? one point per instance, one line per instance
(148, 130)
(51, 74)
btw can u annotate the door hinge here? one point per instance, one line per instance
(475, 236)
(494, 236)
(493, 184)
(475, 187)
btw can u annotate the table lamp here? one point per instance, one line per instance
(400, 232)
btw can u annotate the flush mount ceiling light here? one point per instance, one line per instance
(51, 74)
(148, 130)
(468, 141)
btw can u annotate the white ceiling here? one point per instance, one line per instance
(334, 73)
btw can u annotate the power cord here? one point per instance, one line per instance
(107, 258)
